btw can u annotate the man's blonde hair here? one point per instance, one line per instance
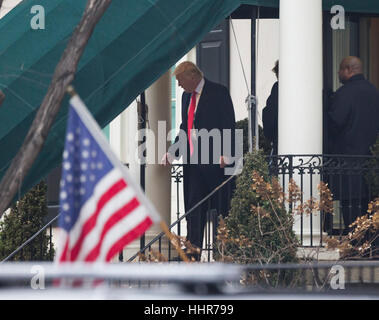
(188, 68)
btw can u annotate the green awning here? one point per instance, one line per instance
(359, 6)
(135, 42)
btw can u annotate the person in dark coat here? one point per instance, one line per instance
(270, 114)
(353, 129)
(213, 109)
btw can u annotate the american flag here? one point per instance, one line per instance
(102, 209)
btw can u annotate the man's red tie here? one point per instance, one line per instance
(191, 113)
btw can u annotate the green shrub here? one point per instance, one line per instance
(22, 222)
(258, 229)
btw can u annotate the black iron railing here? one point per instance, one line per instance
(162, 245)
(353, 180)
(347, 177)
(47, 228)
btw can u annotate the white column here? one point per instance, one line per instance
(240, 45)
(300, 91)
(158, 178)
(123, 141)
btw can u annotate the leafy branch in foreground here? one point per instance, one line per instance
(259, 227)
(362, 240)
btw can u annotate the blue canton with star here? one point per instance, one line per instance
(84, 165)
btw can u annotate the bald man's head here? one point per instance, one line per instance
(350, 66)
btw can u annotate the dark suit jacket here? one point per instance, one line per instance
(353, 129)
(270, 117)
(354, 117)
(214, 111)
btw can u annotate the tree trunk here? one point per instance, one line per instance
(63, 76)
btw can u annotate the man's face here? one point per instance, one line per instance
(344, 73)
(187, 82)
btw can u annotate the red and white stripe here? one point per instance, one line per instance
(108, 221)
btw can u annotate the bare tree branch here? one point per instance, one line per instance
(63, 76)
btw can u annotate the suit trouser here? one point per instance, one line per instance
(199, 182)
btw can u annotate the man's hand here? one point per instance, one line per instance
(224, 161)
(167, 159)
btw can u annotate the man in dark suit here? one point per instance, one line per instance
(206, 107)
(353, 129)
(270, 114)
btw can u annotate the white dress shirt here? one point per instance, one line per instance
(198, 91)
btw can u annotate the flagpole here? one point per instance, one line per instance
(71, 91)
(169, 235)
